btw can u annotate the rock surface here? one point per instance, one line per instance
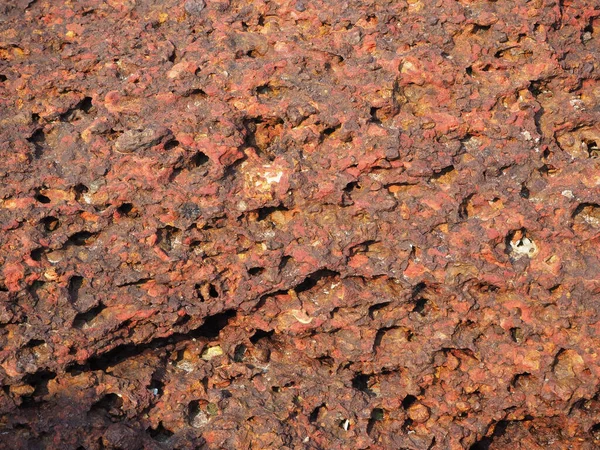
(299, 224)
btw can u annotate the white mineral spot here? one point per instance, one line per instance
(87, 198)
(524, 247)
(567, 193)
(577, 104)
(407, 66)
(186, 366)
(199, 420)
(273, 177)
(301, 316)
(346, 425)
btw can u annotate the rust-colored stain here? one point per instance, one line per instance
(299, 224)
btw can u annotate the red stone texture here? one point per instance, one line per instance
(302, 224)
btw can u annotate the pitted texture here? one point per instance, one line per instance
(299, 224)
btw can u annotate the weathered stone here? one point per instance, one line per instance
(299, 224)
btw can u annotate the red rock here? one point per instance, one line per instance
(341, 198)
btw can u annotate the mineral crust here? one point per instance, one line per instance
(299, 224)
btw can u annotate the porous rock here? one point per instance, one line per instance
(299, 224)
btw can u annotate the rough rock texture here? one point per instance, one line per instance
(299, 224)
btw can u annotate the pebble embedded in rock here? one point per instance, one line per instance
(139, 139)
(194, 7)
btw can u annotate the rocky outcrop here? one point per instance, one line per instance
(299, 224)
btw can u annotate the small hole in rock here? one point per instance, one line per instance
(420, 305)
(517, 335)
(80, 189)
(42, 198)
(520, 380)
(199, 159)
(480, 28)
(86, 104)
(264, 89)
(439, 174)
(361, 383)
(182, 320)
(265, 212)
(314, 415)
(85, 318)
(325, 360)
(125, 209)
(548, 170)
(160, 433)
(156, 387)
(193, 408)
(193, 411)
(379, 337)
(170, 145)
(75, 284)
(353, 185)
(81, 238)
(312, 280)
(373, 309)
(110, 405)
(37, 253)
(592, 149)
(214, 324)
(330, 130)
(38, 139)
(261, 334)
(408, 401)
(376, 416)
(239, 352)
(255, 271)
(374, 113)
(196, 92)
(35, 343)
(50, 223)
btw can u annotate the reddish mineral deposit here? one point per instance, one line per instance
(299, 224)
